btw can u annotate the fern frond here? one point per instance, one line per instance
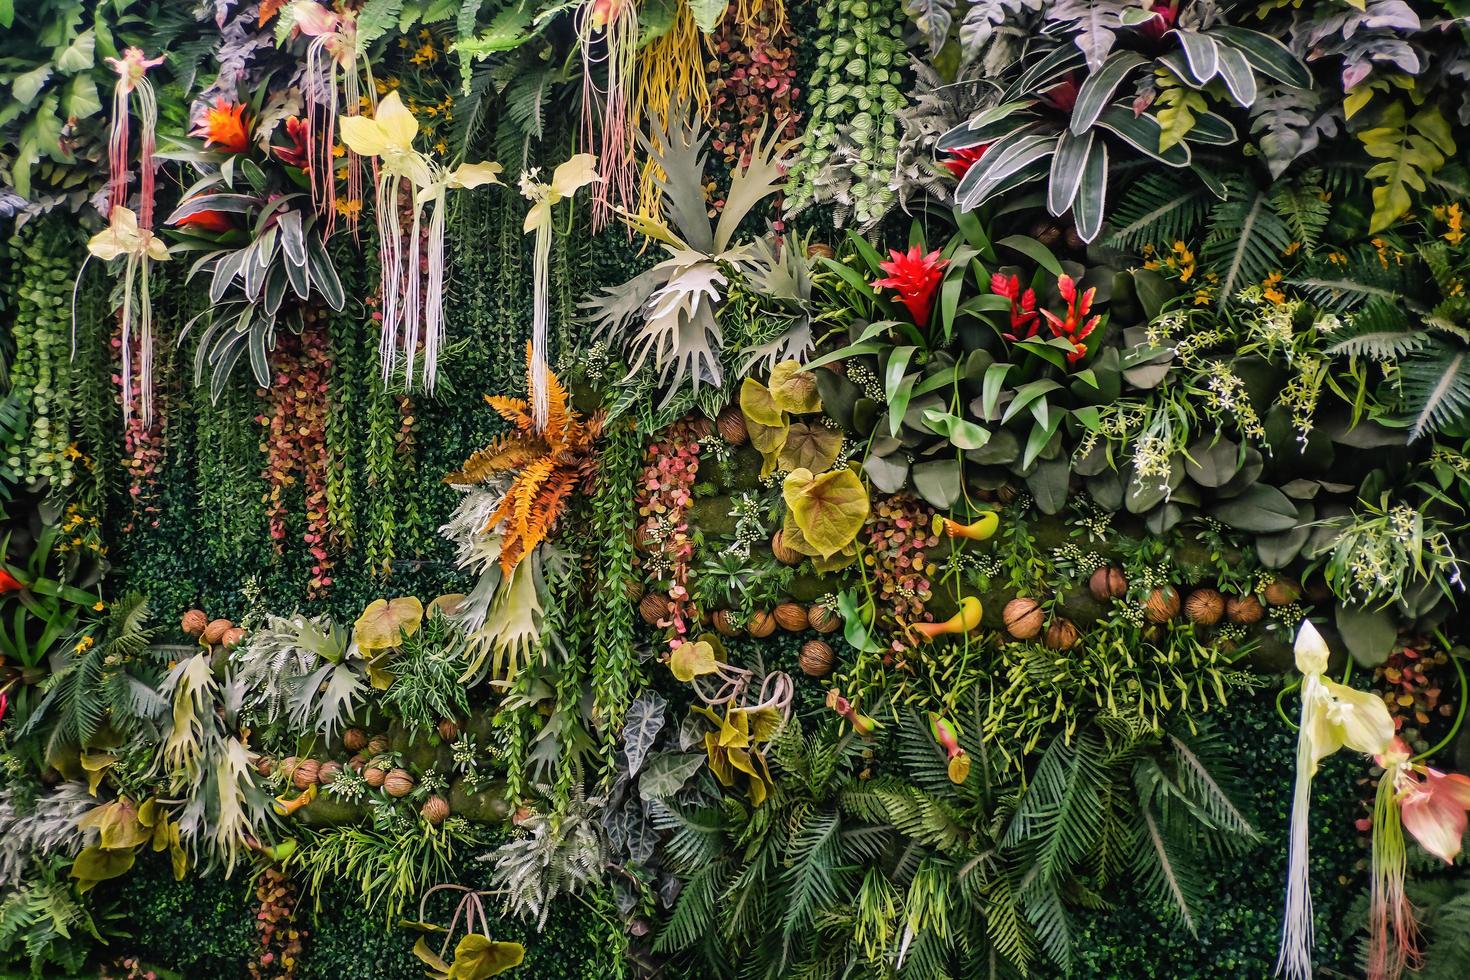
(1436, 387)
(1160, 208)
(1247, 239)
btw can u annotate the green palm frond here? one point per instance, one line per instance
(1247, 239)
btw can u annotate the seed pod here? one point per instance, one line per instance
(1162, 604)
(194, 622)
(374, 776)
(633, 589)
(265, 765)
(448, 730)
(816, 658)
(1281, 592)
(1204, 607)
(762, 624)
(435, 810)
(356, 763)
(1023, 618)
(783, 554)
(328, 773)
(233, 637)
(1007, 493)
(731, 424)
(398, 783)
(653, 607)
(821, 250)
(287, 767)
(216, 631)
(791, 616)
(377, 745)
(305, 774)
(724, 623)
(1245, 610)
(1108, 583)
(354, 740)
(1062, 634)
(822, 619)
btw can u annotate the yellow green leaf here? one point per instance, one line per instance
(692, 659)
(385, 623)
(794, 390)
(829, 509)
(810, 446)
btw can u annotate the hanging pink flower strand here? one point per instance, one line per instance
(613, 23)
(333, 50)
(131, 71)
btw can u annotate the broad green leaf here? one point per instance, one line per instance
(829, 509)
(385, 623)
(793, 389)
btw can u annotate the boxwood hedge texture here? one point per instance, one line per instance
(895, 481)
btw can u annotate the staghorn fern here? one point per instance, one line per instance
(559, 854)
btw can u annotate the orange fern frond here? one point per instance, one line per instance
(548, 464)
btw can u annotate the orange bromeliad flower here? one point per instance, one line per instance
(225, 126)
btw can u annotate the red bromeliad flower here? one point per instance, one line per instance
(206, 220)
(1165, 13)
(960, 161)
(1023, 306)
(9, 583)
(293, 155)
(224, 126)
(1076, 325)
(914, 276)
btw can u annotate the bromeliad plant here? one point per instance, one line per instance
(261, 243)
(1065, 114)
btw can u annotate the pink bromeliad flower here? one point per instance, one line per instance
(914, 276)
(1165, 13)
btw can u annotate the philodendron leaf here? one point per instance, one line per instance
(938, 482)
(758, 403)
(666, 774)
(645, 720)
(1368, 634)
(811, 446)
(692, 659)
(385, 623)
(1261, 509)
(829, 509)
(793, 389)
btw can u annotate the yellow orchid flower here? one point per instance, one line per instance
(124, 237)
(388, 135)
(412, 308)
(1333, 716)
(566, 180)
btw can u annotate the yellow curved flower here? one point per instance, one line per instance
(389, 135)
(123, 236)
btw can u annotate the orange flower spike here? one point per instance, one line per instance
(225, 126)
(980, 530)
(965, 621)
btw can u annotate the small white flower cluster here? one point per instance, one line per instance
(859, 374)
(750, 525)
(1226, 398)
(1300, 396)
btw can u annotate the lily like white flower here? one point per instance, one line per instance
(388, 135)
(566, 180)
(124, 238)
(1333, 716)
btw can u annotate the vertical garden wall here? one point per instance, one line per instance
(684, 488)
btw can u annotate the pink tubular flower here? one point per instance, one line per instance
(1023, 306)
(1076, 325)
(960, 161)
(914, 276)
(1434, 811)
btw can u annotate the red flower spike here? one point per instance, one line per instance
(914, 276)
(1076, 326)
(295, 154)
(206, 220)
(1063, 95)
(960, 161)
(1023, 306)
(9, 583)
